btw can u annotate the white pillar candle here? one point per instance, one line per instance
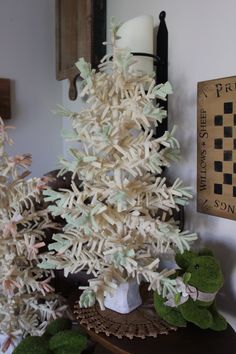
(137, 35)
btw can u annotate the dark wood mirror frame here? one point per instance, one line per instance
(5, 98)
(80, 32)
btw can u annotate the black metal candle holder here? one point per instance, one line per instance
(161, 64)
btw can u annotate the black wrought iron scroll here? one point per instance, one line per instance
(160, 61)
(162, 67)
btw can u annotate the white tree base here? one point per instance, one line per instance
(125, 299)
(3, 337)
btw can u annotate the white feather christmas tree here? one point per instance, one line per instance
(27, 301)
(112, 229)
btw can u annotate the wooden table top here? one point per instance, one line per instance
(189, 340)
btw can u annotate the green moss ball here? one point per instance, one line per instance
(58, 325)
(33, 345)
(68, 341)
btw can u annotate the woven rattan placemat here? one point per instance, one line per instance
(142, 322)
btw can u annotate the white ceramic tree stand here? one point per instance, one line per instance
(125, 299)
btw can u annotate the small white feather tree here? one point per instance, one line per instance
(26, 299)
(112, 229)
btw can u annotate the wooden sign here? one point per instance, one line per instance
(80, 32)
(216, 160)
(5, 99)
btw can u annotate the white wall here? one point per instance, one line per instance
(27, 57)
(201, 47)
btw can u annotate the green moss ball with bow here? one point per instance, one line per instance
(197, 282)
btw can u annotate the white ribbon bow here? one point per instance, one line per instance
(187, 291)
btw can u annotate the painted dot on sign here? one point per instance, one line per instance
(228, 132)
(228, 107)
(217, 188)
(227, 178)
(218, 166)
(234, 167)
(228, 155)
(234, 191)
(218, 120)
(218, 143)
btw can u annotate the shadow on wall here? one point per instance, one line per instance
(182, 114)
